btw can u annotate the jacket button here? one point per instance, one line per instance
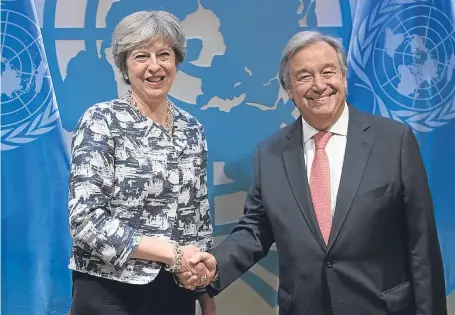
(329, 263)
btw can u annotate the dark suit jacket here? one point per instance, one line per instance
(383, 255)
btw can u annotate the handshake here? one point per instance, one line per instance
(193, 268)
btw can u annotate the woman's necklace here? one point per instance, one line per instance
(168, 124)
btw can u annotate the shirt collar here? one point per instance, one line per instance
(340, 127)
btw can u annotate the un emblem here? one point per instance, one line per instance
(412, 59)
(27, 109)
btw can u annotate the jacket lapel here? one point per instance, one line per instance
(294, 163)
(358, 146)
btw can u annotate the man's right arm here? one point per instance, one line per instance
(248, 242)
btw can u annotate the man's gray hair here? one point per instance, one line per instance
(142, 28)
(302, 40)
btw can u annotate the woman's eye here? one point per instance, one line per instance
(140, 57)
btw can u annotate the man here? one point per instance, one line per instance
(344, 195)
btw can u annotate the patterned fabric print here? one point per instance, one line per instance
(130, 178)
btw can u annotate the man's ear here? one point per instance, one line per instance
(288, 90)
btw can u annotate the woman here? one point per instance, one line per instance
(138, 195)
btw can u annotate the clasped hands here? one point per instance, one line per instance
(197, 269)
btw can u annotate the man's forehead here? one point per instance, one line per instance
(315, 51)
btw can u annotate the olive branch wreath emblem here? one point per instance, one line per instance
(30, 130)
(423, 121)
(44, 122)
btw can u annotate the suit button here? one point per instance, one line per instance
(329, 263)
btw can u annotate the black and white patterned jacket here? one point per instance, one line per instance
(128, 179)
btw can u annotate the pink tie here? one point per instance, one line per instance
(320, 184)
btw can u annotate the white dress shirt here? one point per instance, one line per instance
(335, 150)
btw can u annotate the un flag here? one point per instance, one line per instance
(402, 66)
(35, 244)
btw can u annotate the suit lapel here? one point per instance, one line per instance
(294, 163)
(358, 146)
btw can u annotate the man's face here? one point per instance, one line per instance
(317, 85)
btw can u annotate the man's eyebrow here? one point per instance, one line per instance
(324, 66)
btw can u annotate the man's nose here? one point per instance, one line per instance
(319, 84)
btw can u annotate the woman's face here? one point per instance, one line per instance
(151, 70)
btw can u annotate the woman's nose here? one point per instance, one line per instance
(153, 64)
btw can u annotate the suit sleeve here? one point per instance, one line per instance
(423, 244)
(248, 242)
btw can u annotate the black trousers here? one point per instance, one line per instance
(98, 296)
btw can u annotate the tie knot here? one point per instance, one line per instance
(321, 139)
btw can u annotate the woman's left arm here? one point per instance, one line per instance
(205, 229)
(204, 236)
